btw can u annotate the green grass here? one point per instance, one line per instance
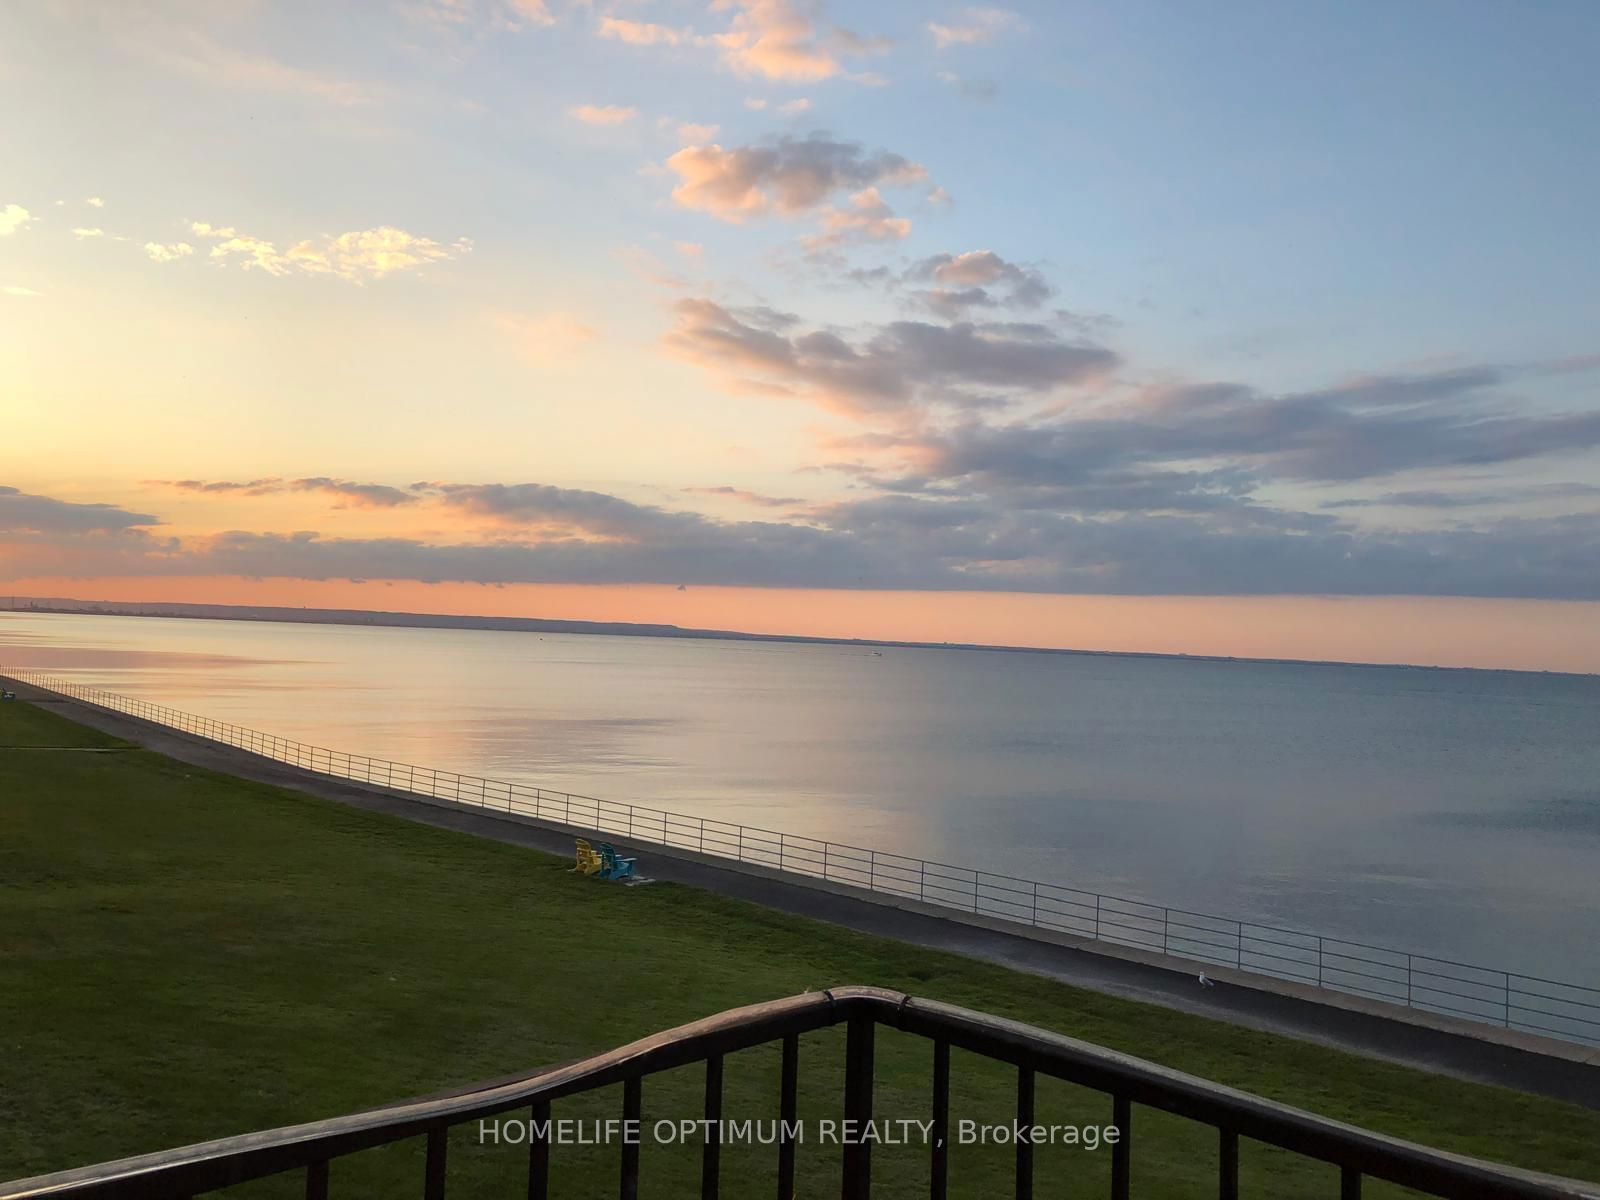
(185, 955)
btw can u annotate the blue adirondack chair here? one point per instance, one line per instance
(613, 865)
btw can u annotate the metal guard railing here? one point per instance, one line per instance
(1528, 1003)
(1356, 1152)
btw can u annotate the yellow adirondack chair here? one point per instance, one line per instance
(588, 859)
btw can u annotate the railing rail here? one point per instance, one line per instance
(1529, 1003)
(1236, 1115)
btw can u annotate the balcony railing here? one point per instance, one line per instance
(1127, 1082)
(1489, 995)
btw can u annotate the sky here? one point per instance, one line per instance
(1247, 328)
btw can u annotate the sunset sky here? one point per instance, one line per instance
(1260, 328)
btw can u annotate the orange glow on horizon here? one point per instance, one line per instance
(1435, 631)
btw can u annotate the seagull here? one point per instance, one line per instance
(1204, 982)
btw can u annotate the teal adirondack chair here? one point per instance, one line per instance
(613, 865)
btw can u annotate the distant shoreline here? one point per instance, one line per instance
(63, 606)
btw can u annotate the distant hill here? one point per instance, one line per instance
(357, 616)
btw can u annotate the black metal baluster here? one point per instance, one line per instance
(857, 1183)
(711, 1161)
(1122, 1118)
(317, 1181)
(1349, 1183)
(939, 1179)
(539, 1152)
(1228, 1165)
(433, 1177)
(1024, 1142)
(788, 1093)
(631, 1097)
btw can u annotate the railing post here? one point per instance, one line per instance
(939, 1168)
(1227, 1165)
(780, 851)
(872, 870)
(539, 1152)
(1122, 1151)
(922, 880)
(1319, 960)
(317, 1181)
(857, 1181)
(1166, 917)
(825, 846)
(1238, 945)
(788, 1101)
(1508, 999)
(1408, 981)
(702, 835)
(433, 1176)
(1033, 918)
(1024, 1141)
(629, 1186)
(711, 1159)
(1097, 916)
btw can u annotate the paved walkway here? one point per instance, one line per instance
(1414, 1039)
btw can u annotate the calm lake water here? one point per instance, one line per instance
(1451, 812)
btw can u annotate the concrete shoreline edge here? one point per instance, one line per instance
(1434, 1042)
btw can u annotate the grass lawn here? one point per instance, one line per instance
(184, 955)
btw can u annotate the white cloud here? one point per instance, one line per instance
(95, 201)
(793, 108)
(755, 103)
(12, 218)
(17, 290)
(81, 234)
(646, 33)
(695, 134)
(169, 252)
(606, 114)
(536, 12)
(789, 175)
(775, 39)
(769, 39)
(867, 219)
(981, 25)
(356, 256)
